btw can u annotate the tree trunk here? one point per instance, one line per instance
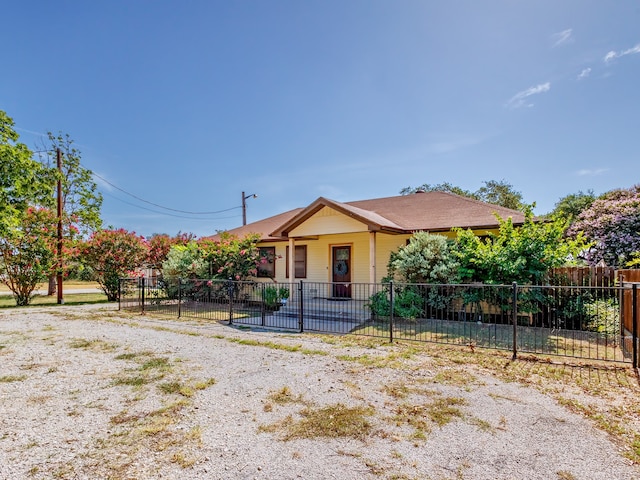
(52, 285)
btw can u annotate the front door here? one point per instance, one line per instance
(341, 268)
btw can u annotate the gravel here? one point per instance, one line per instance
(216, 402)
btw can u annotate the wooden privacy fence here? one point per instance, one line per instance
(601, 277)
(629, 276)
(583, 276)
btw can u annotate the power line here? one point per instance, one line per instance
(170, 214)
(48, 152)
(160, 206)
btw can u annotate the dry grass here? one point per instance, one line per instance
(12, 378)
(606, 393)
(331, 421)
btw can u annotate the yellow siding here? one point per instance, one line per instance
(352, 233)
(328, 221)
(385, 244)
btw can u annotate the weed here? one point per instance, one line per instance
(204, 384)
(160, 363)
(133, 380)
(95, 345)
(170, 387)
(12, 378)
(183, 460)
(481, 424)
(332, 421)
(276, 346)
(284, 396)
(443, 410)
(454, 377)
(565, 475)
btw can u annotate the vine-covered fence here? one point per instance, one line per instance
(589, 322)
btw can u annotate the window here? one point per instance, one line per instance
(267, 265)
(300, 261)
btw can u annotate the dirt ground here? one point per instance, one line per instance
(90, 392)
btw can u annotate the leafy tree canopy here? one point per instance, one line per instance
(24, 182)
(572, 205)
(495, 192)
(516, 254)
(612, 222)
(160, 244)
(113, 254)
(81, 200)
(26, 254)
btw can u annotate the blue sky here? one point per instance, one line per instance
(187, 104)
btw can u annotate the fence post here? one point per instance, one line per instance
(143, 289)
(230, 292)
(391, 303)
(300, 308)
(634, 316)
(179, 296)
(120, 294)
(514, 309)
(263, 310)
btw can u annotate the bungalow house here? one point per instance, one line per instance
(350, 242)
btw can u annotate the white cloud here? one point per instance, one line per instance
(584, 73)
(562, 37)
(591, 172)
(612, 55)
(520, 98)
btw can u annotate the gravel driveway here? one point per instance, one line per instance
(90, 392)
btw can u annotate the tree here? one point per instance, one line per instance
(113, 254)
(81, 200)
(571, 206)
(440, 187)
(231, 256)
(500, 193)
(160, 244)
(185, 261)
(27, 253)
(24, 182)
(612, 222)
(516, 254)
(426, 259)
(495, 192)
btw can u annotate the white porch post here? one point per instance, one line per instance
(372, 257)
(291, 263)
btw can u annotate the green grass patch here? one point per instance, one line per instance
(7, 301)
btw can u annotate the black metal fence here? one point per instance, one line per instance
(580, 322)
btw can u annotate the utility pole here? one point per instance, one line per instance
(59, 267)
(244, 206)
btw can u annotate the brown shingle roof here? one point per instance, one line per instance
(429, 211)
(438, 211)
(263, 227)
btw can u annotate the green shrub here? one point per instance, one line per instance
(603, 316)
(408, 304)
